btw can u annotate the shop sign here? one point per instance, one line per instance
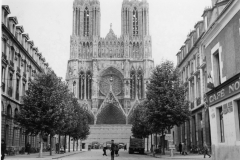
(225, 92)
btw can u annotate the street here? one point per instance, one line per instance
(124, 155)
(97, 155)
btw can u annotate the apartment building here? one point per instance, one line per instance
(191, 62)
(21, 60)
(221, 44)
(210, 71)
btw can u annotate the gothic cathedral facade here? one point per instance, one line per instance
(109, 74)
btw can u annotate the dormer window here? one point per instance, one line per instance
(135, 22)
(198, 32)
(206, 23)
(13, 28)
(86, 22)
(192, 40)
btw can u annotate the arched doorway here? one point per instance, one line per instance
(111, 114)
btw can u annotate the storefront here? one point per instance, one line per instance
(224, 112)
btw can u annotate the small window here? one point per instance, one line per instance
(9, 111)
(216, 69)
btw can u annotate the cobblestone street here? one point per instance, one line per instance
(97, 155)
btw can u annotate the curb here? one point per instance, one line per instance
(67, 155)
(43, 158)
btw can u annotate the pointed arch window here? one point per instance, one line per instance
(140, 84)
(89, 85)
(132, 84)
(81, 85)
(135, 21)
(86, 22)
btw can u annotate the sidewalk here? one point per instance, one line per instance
(177, 155)
(45, 156)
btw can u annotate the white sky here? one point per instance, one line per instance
(49, 25)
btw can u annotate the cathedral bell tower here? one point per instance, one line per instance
(135, 18)
(86, 18)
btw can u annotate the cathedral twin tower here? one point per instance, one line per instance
(109, 75)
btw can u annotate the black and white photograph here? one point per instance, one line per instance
(120, 80)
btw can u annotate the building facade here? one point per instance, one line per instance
(191, 62)
(21, 60)
(109, 74)
(209, 64)
(222, 50)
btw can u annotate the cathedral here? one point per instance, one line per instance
(109, 74)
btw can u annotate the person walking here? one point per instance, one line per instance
(57, 148)
(184, 149)
(3, 149)
(112, 150)
(180, 147)
(125, 147)
(28, 147)
(206, 150)
(116, 150)
(104, 151)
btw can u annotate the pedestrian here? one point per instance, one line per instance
(104, 151)
(57, 148)
(184, 149)
(3, 149)
(180, 147)
(206, 150)
(112, 150)
(125, 147)
(28, 147)
(116, 150)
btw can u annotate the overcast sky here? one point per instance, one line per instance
(49, 25)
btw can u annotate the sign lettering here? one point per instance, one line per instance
(225, 92)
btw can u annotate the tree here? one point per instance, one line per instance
(140, 125)
(42, 112)
(80, 128)
(166, 104)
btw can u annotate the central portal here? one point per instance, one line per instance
(111, 114)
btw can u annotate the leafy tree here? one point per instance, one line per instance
(166, 104)
(80, 126)
(140, 125)
(42, 112)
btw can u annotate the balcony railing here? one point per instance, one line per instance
(192, 105)
(11, 63)
(18, 70)
(3, 87)
(198, 101)
(24, 74)
(10, 90)
(17, 96)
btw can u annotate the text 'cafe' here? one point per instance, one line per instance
(224, 112)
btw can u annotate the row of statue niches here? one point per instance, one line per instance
(115, 53)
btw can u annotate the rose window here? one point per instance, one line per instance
(105, 84)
